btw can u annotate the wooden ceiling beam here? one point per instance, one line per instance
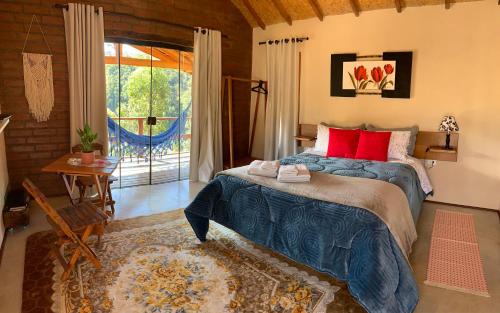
(147, 63)
(155, 53)
(399, 5)
(254, 14)
(317, 9)
(355, 7)
(447, 4)
(283, 12)
(167, 58)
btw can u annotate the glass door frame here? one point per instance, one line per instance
(149, 44)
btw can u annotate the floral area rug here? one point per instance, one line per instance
(163, 268)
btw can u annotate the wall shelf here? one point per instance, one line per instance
(429, 146)
(439, 149)
(307, 135)
(305, 138)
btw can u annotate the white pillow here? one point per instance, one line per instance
(398, 144)
(322, 139)
(323, 136)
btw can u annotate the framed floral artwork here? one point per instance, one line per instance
(369, 76)
(388, 75)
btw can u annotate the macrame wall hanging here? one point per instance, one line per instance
(38, 81)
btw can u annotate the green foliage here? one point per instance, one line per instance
(111, 113)
(112, 87)
(168, 89)
(113, 74)
(87, 137)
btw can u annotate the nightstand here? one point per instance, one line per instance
(306, 135)
(305, 141)
(441, 153)
(429, 146)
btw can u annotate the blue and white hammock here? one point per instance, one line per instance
(134, 145)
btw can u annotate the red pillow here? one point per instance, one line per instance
(342, 143)
(373, 145)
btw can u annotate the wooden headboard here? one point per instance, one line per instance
(428, 146)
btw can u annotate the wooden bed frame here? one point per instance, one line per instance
(429, 144)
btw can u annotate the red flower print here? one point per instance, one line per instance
(377, 74)
(388, 69)
(360, 73)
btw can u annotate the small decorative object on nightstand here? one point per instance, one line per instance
(448, 124)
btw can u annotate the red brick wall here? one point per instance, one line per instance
(31, 145)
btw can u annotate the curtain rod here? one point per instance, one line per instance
(270, 42)
(65, 6)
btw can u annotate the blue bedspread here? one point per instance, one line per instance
(349, 243)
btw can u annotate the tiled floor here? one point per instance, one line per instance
(433, 299)
(147, 200)
(152, 199)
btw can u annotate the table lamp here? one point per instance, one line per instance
(448, 124)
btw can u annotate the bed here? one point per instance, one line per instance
(365, 247)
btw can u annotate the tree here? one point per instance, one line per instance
(162, 90)
(113, 74)
(167, 94)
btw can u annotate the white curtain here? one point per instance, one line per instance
(206, 127)
(87, 79)
(282, 104)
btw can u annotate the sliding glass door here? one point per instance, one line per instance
(149, 111)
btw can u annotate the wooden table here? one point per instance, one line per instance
(100, 173)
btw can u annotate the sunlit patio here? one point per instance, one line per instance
(135, 171)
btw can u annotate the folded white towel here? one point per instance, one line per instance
(256, 168)
(256, 163)
(270, 165)
(290, 170)
(259, 172)
(296, 179)
(303, 170)
(287, 176)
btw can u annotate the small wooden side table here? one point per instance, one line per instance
(69, 173)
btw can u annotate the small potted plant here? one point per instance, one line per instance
(87, 137)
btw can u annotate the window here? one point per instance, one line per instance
(155, 82)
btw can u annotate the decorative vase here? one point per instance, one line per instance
(88, 157)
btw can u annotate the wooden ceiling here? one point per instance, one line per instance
(163, 58)
(260, 13)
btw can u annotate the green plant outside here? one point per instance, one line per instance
(138, 86)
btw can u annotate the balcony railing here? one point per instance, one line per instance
(141, 121)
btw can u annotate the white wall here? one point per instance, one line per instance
(456, 70)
